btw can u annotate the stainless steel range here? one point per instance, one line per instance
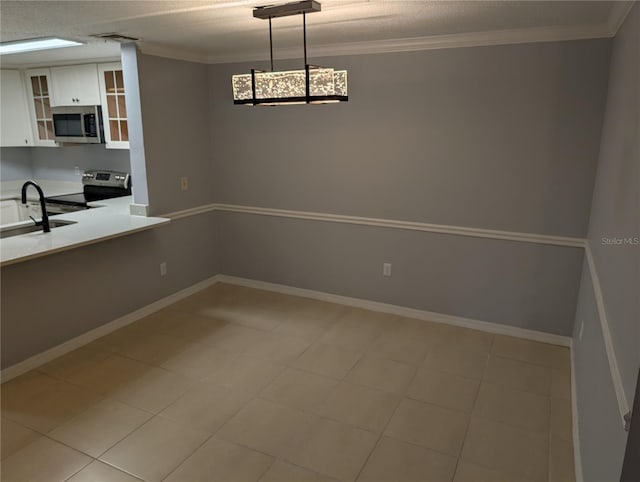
(96, 186)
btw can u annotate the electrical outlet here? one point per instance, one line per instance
(77, 171)
(163, 268)
(386, 269)
(581, 330)
(184, 183)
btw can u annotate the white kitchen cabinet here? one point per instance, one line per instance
(75, 85)
(114, 109)
(39, 99)
(14, 120)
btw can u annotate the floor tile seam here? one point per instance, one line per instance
(318, 414)
(80, 469)
(63, 380)
(109, 394)
(65, 421)
(497, 469)
(510, 424)
(235, 412)
(177, 466)
(146, 422)
(41, 435)
(91, 457)
(129, 357)
(382, 434)
(484, 376)
(529, 362)
(306, 370)
(112, 396)
(473, 407)
(309, 372)
(371, 350)
(138, 428)
(295, 464)
(273, 462)
(374, 355)
(424, 447)
(366, 460)
(274, 456)
(252, 397)
(256, 327)
(439, 405)
(442, 407)
(413, 379)
(466, 415)
(542, 435)
(549, 454)
(378, 354)
(248, 447)
(400, 394)
(519, 390)
(360, 385)
(269, 360)
(443, 371)
(113, 444)
(119, 469)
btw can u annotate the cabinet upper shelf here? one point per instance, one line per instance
(75, 85)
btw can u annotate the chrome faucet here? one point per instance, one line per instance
(45, 218)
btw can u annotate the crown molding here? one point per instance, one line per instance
(162, 50)
(471, 39)
(413, 44)
(618, 15)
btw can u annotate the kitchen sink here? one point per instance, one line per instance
(31, 228)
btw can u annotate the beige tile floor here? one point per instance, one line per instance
(236, 384)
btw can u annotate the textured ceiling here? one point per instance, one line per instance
(221, 30)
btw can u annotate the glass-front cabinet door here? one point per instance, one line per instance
(39, 93)
(114, 109)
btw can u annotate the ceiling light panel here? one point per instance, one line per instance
(32, 45)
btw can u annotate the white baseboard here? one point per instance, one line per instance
(486, 326)
(577, 458)
(81, 340)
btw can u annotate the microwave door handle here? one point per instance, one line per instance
(86, 123)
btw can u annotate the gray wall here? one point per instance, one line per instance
(602, 439)
(502, 137)
(58, 163)
(15, 163)
(614, 214)
(521, 284)
(174, 100)
(616, 200)
(49, 300)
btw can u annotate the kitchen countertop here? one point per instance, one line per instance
(110, 218)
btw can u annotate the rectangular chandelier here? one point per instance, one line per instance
(312, 85)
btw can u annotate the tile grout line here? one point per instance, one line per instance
(288, 365)
(475, 401)
(382, 434)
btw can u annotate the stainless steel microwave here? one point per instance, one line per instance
(78, 124)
